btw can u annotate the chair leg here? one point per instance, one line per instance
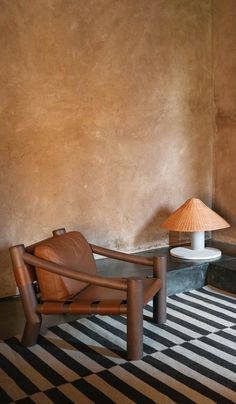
(33, 319)
(30, 334)
(24, 278)
(159, 300)
(135, 319)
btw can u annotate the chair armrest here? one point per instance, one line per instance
(120, 284)
(106, 252)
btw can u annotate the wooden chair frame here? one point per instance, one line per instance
(24, 263)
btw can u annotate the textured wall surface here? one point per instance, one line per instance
(106, 118)
(225, 103)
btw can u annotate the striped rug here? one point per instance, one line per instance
(190, 359)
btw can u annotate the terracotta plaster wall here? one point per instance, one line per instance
(225, 105)
(106, 118)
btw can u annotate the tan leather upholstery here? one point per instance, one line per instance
(70, 250)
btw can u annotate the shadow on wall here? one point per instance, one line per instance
(147, 235)
(177, 238)
(7, 281)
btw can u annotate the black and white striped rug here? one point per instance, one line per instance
(190, 359)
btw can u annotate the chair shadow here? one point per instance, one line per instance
(79, 346)
(7, 280)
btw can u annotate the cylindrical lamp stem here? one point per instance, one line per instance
(198, 240)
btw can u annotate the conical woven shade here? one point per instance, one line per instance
(193, 216)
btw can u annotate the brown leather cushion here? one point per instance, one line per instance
(72, 251)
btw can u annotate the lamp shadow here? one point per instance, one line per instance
(179, 238)
(151, 234)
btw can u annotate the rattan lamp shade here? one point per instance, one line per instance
(195, 217)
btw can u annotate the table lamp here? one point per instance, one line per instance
(195, 217)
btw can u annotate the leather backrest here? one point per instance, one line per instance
(72, 251)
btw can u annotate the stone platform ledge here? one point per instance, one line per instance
(182, 275)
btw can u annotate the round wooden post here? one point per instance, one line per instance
(59, 232)
(24, 279)
(159, 300)
(134, 319)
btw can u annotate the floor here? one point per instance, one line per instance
(181, 276)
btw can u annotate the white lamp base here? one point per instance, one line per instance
(188, 253)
